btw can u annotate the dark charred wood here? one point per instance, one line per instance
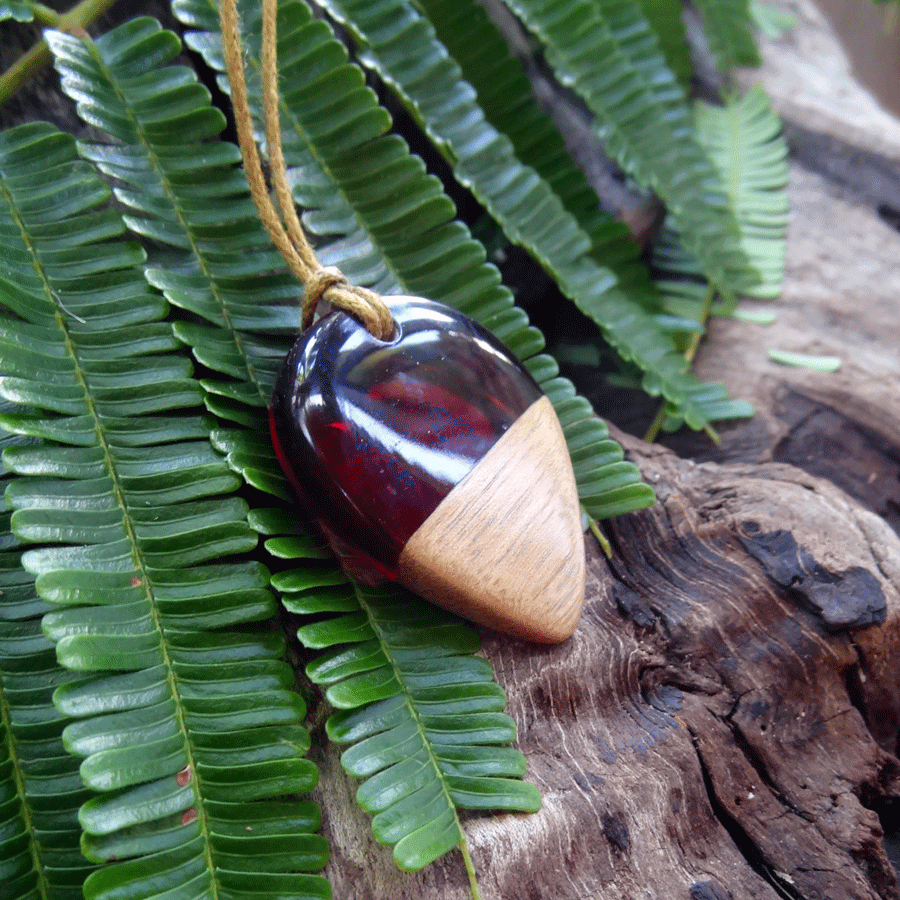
(842, 600)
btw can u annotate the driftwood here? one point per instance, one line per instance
(721, 722)
(724, 722)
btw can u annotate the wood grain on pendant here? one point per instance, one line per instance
(505, 547)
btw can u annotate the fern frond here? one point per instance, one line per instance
(744, 141)
(174, 713)
(726, 24)
(380, 645)
(423, 715)
(506, 97)
(384, 641)
(385, 222)
(40, 788)
(402, 47)
(644, 117)
(185, 191)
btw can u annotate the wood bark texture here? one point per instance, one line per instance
(718, 726)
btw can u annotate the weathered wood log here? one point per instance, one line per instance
(713, 729)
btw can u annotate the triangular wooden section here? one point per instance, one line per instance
(505, 547)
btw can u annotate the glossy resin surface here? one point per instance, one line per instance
(374, 434)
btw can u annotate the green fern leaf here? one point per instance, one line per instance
(744, 141)
(423, 715)
(726, 24)
(20, 10)
(388, 224)
(182, 190)
(665, 19)
(40, 788)
(771, 21)
(182, 725)
(402, 47)
(380, 644)
(643, 115)
(506, 97)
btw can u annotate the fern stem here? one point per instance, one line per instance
(656, 424)
(33, 60)
(602, 539)
(470, 869)
(651, 436)
(691, 351)
(36, 57)
(712, 434)
(46, 17)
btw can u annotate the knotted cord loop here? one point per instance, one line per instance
(329, 283)
(315, 290)
(285, 229)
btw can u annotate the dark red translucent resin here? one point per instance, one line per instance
(374, 434)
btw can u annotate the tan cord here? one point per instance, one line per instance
(285, 229)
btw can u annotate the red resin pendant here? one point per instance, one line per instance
(435, 460)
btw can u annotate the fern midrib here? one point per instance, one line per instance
(121, 499)
(18, 778)
(420, 728)
(172, 196)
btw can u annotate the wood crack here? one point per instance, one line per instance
(742, 840)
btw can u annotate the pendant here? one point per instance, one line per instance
(433, 459)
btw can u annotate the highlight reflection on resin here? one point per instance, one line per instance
(374, 434)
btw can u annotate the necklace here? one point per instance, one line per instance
(417, 442)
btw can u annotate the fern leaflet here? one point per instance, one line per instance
(726, 24)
